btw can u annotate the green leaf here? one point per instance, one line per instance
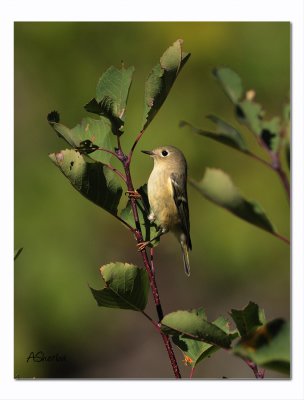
(195, 351)
(96, 131)
(91, 178)
(17, 253)
(112, 93)
(218, 187)
(224, 134)
(161, 79)
(270, 133)
(230, 82)
(149, 229)
(192, 325)
(127, 287)
(268, 346)
(251, 114)
(248, 319)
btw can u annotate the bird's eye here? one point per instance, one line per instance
(164, 153)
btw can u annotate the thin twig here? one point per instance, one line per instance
(191, 372)
(284, 181)
(152, 260)
(259, 374)
(137, 139)
(108, 151)
(115, 170)
(283, 238)
(125, 223)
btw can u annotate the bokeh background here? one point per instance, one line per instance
(66, 238)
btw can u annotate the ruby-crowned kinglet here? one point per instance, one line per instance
(167, 193)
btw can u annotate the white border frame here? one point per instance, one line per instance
(124, 10)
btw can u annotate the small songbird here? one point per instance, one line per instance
(167, 194)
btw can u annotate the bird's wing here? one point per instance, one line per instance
(181, 201)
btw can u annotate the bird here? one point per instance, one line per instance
(167, 194)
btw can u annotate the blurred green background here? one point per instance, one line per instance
(66, 238)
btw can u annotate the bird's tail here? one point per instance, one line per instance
(185, 251)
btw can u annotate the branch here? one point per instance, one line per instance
(137, 139)
(259, 374)
(125, 160)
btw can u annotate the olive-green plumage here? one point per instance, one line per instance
(167, 193)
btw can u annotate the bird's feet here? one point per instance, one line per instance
(141, 246)
(133, 194)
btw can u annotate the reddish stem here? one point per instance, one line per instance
(125, 160)
(191, 372)
(259, 374)
(137, 139)
(115, 170)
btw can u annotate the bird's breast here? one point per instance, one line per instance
(160, 194)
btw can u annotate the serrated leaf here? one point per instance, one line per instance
(149, 229)
(96, 131)
(17, 253)
(268, 346)
(248, 319)
(230, 82)
(127, 287)
(218, 187)
(91, 178)
(224, 134)
(191, 325)
(161, 79)
(196, 351)
(112, 93)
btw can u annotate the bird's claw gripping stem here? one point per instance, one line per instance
(133, 194)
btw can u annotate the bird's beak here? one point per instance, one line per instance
(150, 153)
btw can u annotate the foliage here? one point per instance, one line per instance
(87, 166)
(272, 135)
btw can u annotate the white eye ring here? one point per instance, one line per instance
(164, 153)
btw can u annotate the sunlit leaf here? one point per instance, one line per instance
(218, 187)
(192, 325)
(96, 131)
(112, 93)
(268, 346)
(127, 287)
(149, 229)
(161, 79)
(91, 178)
(224, 134)
(230, 82)
(195, 351)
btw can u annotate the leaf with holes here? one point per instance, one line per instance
(218, 187)
(127, 287)
(112, 93)
(268, 346)
(161, 79)
(91, 178)
(195, 351)
(230, 82)
(95, 131)
(148, 228)
(248, 319)
(224, 134)
(193, 325)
